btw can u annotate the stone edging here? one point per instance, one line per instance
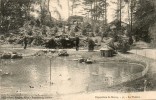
(137, 75)
(133, 77)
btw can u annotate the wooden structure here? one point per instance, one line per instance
(106, 52)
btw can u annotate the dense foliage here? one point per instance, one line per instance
(144, 17)
(15, 15)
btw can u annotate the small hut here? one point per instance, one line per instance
(106, 52)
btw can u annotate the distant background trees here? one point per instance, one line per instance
(15, 14)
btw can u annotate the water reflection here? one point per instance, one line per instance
(32, 75)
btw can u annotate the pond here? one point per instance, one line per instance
(32, 75)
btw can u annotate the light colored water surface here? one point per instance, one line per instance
(32, 75)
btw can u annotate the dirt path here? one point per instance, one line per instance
(149, 53)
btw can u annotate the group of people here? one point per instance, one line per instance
(91, 43)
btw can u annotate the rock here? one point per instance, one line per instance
(88, 61)
(40, 53)
(63, 53)
(53, 51)
(6, 74)
(85, 60)
(81, 60)
(14, 52)
(13, 55)
(16, 56)
(75, 59)
(6, 56)
(44, 51)
(94, 73)
(31, 86)
(51, 83)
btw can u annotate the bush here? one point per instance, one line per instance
(124, 45)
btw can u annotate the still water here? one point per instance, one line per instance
(32, 75)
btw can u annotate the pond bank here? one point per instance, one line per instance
(149, 77)
(95, 56)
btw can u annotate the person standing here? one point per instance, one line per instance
(63, 42)
(77, 43)
(25, 42)
(91, 44)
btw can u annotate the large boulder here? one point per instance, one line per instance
(63, 53)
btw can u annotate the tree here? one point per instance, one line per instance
(49, 10)
(13, 14)
(68, 9)
(119, 13)
(75, 3)
(98, 11)
(144, 17)
(132, 4)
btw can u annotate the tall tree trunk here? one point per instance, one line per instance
(92, 17)
(28, 10)
(72, 10)
(41, 11)
(73, 1)
(0, 12)
(131, 8)
(49, 10)
(120, 12)
(105, 12)
(68, 9)
(91, 6)
(0, 7)
(8, 26)
(103, 17)
(129, 16)
(118, 9)
(96, 9)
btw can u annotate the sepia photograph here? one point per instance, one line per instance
(77, 49)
